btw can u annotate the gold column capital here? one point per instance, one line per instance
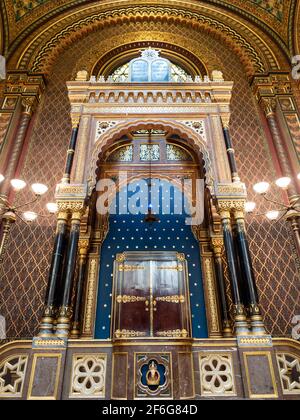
(239, 214)
(227, 207)
(217, 246)
(29, 104)
(269, 106)
(75, 118)
(225, 118)
(74, 207)
(83, 247)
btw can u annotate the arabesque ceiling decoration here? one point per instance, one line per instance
(25, 19)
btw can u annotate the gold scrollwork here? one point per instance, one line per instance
(173, 333)
(131, 267)
(171, 299)
(129, 334)
(178, 268)
(121, 258)
(130, 299)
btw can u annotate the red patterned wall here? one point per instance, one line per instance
(24, 274)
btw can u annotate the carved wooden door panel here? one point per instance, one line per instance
(132, 298)
(151, 296)
(170, 299)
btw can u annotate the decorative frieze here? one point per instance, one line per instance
(141, 94)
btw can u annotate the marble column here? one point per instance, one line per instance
(269, 106)
(28, 105)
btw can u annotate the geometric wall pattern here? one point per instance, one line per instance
(24, 275)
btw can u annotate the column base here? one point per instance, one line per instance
(241, 326)
(75, 333)
(227, 329)
(257, 323)
(47, 323)
(63, 322)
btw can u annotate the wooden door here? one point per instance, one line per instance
(151, 296)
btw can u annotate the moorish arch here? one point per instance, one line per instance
(202, 147)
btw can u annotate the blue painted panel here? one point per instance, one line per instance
(131, 233)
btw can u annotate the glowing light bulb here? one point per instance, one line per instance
(261, 187)
(18, 184)
(283, 182)
(52, 208)
(30, 216)
(272, 215)
(39, 189)
(250, 207)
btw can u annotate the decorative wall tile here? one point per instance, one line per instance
(88, 376)
(216, 375)
(12, 376)
(289, 371)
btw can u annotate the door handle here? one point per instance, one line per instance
(147, 306)
(154, 305)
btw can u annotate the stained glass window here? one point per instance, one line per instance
(124, 154)
(177, 153)
(149, 152)
(121, 75)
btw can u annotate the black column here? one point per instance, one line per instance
(240, 321)
(65, 310)
(46, 327)
(248, 272)
(79, 289)
(231, 155)
(70, 154)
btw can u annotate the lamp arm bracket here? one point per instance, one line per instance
(276, 202)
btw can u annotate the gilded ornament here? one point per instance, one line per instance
(91, 288)
(130, 299)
